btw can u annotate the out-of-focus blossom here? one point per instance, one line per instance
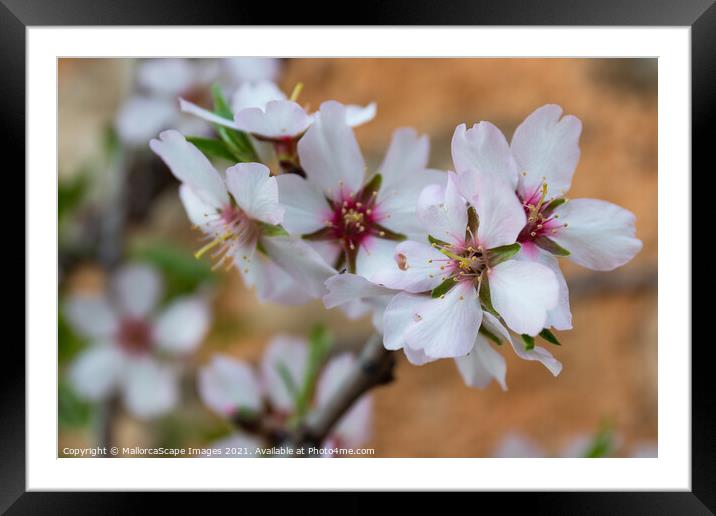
(239, 213)
(251, 69)
(230, 387)
(129, 338)
(517, 445)
(539, 165)
(154, 105)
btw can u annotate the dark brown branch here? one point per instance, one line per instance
(374, 368)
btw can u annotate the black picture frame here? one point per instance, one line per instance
(700, 15)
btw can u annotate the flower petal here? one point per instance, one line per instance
(399, 315)
(90, 315)
(182, 326)
(447, 327)
(150, 389)
(96, 371)
(226, 385)
(483, 147)
(359, 115)
(205, 114)
(499, 211)
(139, 119)
(482, 365)
(419, 269)
(256, 95)
(559, 317)
(443, 212)
(417, 356)
(306, 209)
(537, 353)
(291, 355)
(190, 166)
(547, 149)
(280, 119)
(516, 446)
(200, 214)
(165, 76)
(354, 428)
(374, 256)
(330, 154)
(252, 68)
(299, 261)
(346, 287)
(523, 292)
(404, 176)
(137, 288)
(272, 284)
(255, 191)
(599, 235)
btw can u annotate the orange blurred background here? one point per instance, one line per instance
(610, 358)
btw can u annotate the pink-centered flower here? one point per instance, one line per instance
(539, 165)
(354, 220)
(128, 338)
(228, 386)
(239, 213)
(466, 266)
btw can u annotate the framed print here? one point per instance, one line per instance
(451, 256)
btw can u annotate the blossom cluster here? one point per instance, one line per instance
(449, 264)
(284, 386)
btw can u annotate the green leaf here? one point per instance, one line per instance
(549, 337)
(497, 255)
(434, 240)
(551, 246)
(71, 192)
(72, 411)
(602, 444)
(237, 142)
(473, 222)
(211, 147)
(371, 187)
(285, 373)
(487, 333)
(320, 344)
(387, 234)
(443, 288)
(271, 230)
(528, 341)
(68, 342)
(221, 106)
(553, 205)
(485, 298)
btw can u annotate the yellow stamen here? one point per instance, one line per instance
(296, 91)
(218, 240)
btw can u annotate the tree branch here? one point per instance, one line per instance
(374, 368)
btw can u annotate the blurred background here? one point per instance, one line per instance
(609, 382)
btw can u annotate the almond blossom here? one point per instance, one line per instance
(239, 213)
(539, 165)
(355, 221)
(230, 387)
(263, 111)
(129, 338)
(462, 289)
